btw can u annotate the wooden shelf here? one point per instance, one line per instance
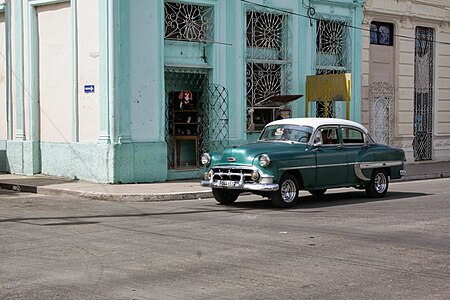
(183, 131)
(185, 111)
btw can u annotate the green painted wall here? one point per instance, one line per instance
(133, 54)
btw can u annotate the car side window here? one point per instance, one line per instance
(352, 136)
(330, 136)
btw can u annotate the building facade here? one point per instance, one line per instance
(406, 76)
(134, 91)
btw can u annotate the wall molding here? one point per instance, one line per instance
(5, 8)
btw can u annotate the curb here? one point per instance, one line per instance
(156, 197)
(425, 176)
(120, 197)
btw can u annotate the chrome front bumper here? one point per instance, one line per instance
(235, 185)
(238, 178)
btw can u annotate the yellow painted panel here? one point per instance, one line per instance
(338, 87)
(330, 87)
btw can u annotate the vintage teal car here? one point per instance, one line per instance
(313, 154)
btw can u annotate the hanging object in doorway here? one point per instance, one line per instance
(185, 99)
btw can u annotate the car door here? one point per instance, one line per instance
(331, 159)
(355, 146)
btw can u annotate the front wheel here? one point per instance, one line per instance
(225, 196)
(378, 185)
(287, 194)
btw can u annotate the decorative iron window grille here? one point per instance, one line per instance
(268, 64)
(382, 33)
(188, 22)
(423, 93)
(333, 48)
(381, 99)
(264, 30)
(333, 45)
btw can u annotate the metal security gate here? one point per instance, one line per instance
(203, 120)
(423, 93)
(214, 113)
(381, 112)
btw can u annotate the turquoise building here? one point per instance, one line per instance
(134, 91)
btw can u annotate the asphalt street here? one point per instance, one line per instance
(340, 246)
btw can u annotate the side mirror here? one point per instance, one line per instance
(317, 144)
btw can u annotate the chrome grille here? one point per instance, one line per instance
(242, 174)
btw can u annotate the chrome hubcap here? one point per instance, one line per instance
(288, 191)
(380, 182)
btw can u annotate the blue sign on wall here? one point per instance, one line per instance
(89, 89)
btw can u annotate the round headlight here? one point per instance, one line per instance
(205, 159)
(264, 160)
(255, 176)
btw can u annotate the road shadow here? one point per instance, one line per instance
(329, 200)
(247, 203)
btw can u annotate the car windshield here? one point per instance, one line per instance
(286, 132)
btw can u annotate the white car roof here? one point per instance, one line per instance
(316, 122)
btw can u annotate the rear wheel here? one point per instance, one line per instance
(225, 196)
(287, 194)
(318, 192)
(378, 185)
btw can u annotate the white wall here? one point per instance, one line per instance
(443, 81)
(55, 72)
(3, 113)
(406, 16)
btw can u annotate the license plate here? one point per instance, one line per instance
(226, 183)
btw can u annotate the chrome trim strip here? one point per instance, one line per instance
(315, 167)
(248, 167)
(367, 165)
(333, 165)
(298, 168)
(374, 165)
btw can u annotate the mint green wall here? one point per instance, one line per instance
(131, 145)
(345, 9)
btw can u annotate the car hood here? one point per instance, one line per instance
(245, 154)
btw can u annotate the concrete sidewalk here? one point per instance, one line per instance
(171, 190)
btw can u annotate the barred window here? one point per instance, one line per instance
(188, 22)
(330, 35)
(333, 44)
(264, 30)
(268, 64)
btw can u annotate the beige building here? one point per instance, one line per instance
(406, 76)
